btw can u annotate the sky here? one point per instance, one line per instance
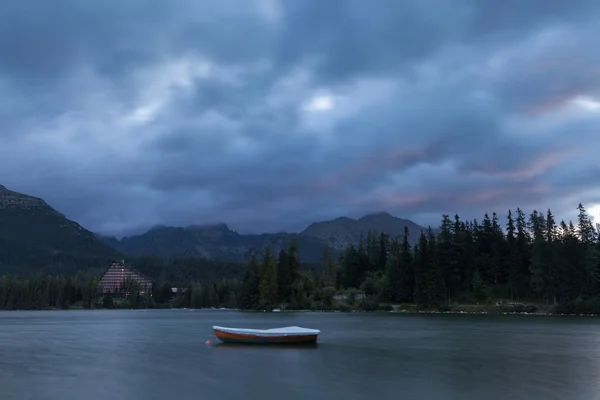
(272, 114)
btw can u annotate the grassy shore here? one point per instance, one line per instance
(498, 307)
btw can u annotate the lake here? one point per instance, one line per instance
(161, 354)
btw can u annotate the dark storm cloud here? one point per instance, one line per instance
(271, 114)
(342, 33)
(44, 42)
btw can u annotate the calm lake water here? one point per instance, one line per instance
(162, 354)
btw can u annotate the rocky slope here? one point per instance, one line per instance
(34, 236)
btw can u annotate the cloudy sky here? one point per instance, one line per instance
(271, 114)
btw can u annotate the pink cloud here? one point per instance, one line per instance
(538, 166)
(501, 194)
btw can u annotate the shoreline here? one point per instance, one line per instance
(480, 311)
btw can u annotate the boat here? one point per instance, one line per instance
(285, 335)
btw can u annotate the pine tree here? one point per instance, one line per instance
(480, 288)
(573, 272)
(589, 256)
(539, 257)
(350, 267)
(283, 275)
(329, 268)
(393, 279)
(250, 287)
(435, 279)
(513, 259)
(407, 281)
(421, 270)
(498, 249)
(524, 249)
(551, 273)
(372, 252)
(384, 248)
(268, 282)
(293, 262)
(363, 260)
(447, 255)
(465, 250)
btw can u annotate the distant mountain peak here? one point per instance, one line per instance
(340, 219)
(378, 214)
(341, 232)
(219, 226)
(157, 227)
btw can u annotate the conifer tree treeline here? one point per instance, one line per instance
(273, 281)
(531, 258)
(41, 292)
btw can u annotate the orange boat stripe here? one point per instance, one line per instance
(289, 338)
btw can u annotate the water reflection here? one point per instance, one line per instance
(155, 354)
(266, 347)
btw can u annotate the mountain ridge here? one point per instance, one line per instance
(35, 236)
(219, 241)
(32, 233)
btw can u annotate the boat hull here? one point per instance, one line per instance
(229, 337)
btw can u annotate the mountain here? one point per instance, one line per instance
(36, 237)
(211, 241)
(220, 242)
(344, 231)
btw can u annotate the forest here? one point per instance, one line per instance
(529, 259)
